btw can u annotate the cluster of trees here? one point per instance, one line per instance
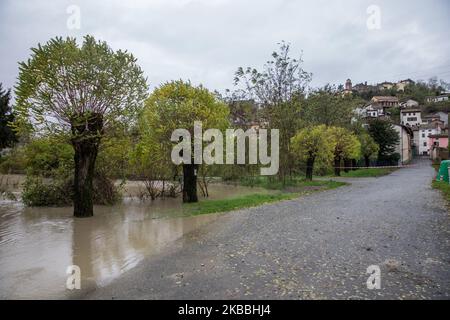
(93, 101)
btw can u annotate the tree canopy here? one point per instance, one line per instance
(177, 105)
(385, 136)
(311, 144)
(62, 83)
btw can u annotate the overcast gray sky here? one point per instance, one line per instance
(206, 40)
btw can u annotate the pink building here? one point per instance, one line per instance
(438, 144)
(438, 140)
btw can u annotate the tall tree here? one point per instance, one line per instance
(82, 92)
(369, 147)
(7, 135)
(311, 144)
(346, 146)
(387, 138)
(177, 105)
(279, 89)
(330, 107)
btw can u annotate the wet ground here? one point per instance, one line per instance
(315, 247)
(38, 244)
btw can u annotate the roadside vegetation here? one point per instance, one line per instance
(444, 187)
(368, 172)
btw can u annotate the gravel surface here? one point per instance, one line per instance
(315, 247)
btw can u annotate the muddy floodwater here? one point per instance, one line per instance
(37, 245)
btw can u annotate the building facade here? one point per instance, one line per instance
(411, 117)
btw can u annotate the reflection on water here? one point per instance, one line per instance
(38, 244)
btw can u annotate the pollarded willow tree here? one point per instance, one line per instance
(79, 91)
(311, 144)
(346, 146)
(177, 105)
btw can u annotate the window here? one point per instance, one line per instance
(423, 135)
(424, 144)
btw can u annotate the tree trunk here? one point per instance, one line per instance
(354, 165)
(367, 161)
(347, 165)
(190, 182)
(85, 141)
(309, 168)
(337, 166)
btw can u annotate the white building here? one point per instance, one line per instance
(435, 99)
(404, 147)
(410, 103)
(424, 132)
(372, 110)
(411, 117)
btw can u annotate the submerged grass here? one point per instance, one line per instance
(253, 200)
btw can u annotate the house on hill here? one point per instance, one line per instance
(385, 101)
(411, 117)
(401, 85)
(386, 85)
(434, 99)
(410, 103)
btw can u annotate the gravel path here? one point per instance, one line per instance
(315, 247)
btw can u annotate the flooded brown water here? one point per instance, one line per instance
(38, 244)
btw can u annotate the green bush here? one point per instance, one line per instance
(37, 193)
(14, 162)
(48, 157)
(57, 192)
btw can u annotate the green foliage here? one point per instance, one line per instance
(444, 187)
(7, 135)
(48, 156)
(313, 143)
(38, 193)
(384, 134)
(329, 107)
(297, 183)
(279, 88)
(443, 106)
(58, 191)
(176, 105)
(14, 162)
(113, 159)
(346, 144)
(370, 172)
(63, 83)
(369, 148)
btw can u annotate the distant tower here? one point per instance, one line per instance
(348, 85)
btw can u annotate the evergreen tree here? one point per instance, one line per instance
(7, 135)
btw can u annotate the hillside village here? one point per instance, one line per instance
(422, 132)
